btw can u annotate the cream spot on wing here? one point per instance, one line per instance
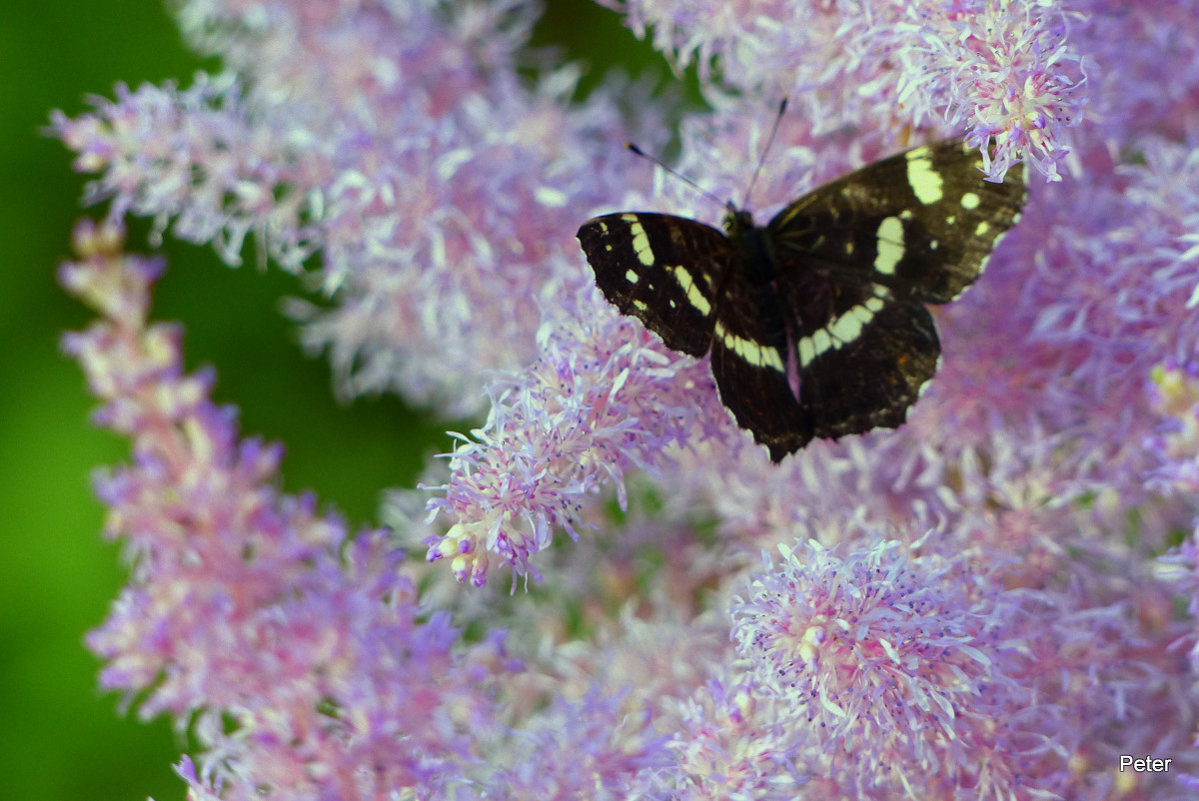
(970, 200)
(750, 351)
(631, 276)
(806, 352)
(890, 245)
(645, 254)
(694, 296)
(847, 327)
(813, 346)
(925, 181)
(843, 330)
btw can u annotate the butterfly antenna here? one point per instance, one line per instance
(778, 118)
(639, 152)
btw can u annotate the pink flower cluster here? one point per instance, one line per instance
(245, 605)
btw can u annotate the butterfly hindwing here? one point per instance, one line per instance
(662, 270)
(865, 363)
(750, 355)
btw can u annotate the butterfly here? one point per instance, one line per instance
(816, 322)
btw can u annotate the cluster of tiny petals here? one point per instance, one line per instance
(1001, 69)
(602, 398)
(872, 647)
(191, 156)
(1011, 79)
(380, 137)
(1148, 67)
(703, 32)
(734, 744)
(1101, 284)
(425, 268)
(591, 748)
(922, 660)
(246, 604)
(1174, 395)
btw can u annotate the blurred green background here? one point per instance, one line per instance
(60, 737)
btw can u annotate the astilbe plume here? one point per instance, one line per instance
(246, 603)
(966, 607)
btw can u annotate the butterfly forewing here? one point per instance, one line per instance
(922, 222)
(816, 322)
(662, 270)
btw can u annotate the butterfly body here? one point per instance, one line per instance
(816, 322)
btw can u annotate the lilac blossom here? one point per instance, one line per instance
(972, 606)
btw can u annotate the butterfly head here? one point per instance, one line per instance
(737, 221)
